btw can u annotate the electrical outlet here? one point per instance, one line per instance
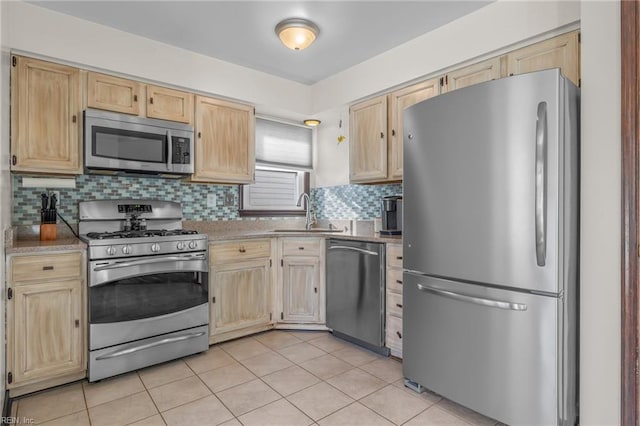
(211, 200)
(229, 199)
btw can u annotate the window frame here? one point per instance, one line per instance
(242, 212)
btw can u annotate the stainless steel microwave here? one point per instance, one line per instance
(122, 144)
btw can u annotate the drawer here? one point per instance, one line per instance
(394, 280)
(394, 256)
(239, 250)
(394, 332)
(394, 304)
(301, 247)
(46, 266)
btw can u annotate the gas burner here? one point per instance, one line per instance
(139, 234)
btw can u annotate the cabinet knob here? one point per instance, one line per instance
(135, 98)
(399, 257)
(199, 135)
(409, 136)
(300, 248)
(14, 160)
(381, 135)
(242, 250)
(73, 119)
(393, 132)
(47, 268)
(315, 289)
(399, 281)
(151, 100)
(399, 334)
(398, 305)
(77, 323)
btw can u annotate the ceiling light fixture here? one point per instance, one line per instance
(297, 33)
(312, 122)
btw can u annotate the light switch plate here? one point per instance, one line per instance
(211, 200)
(229, 199)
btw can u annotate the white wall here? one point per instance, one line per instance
(37, 30)
(489, 31)
(600, 228)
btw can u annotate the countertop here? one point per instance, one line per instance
(36, 246)
(215, 232)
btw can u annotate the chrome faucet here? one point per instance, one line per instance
(308, 220)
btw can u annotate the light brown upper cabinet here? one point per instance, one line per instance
(113, 93)
(559, 52)
(123, 95)
(169, 104)
(45, 117)
(368, 140)
(398, 101)
(473, 74)
(225, 141)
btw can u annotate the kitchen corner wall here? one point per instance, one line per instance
(335, 202)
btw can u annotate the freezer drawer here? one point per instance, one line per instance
(491, 350)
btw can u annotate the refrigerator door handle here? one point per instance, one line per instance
(475, 300)
(541, 184)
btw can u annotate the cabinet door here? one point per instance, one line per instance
(169, 104)
(301, 289)
(225, 141)
(368, 144)
(113, 93)
(46, 328)
(45, 114)
(242, 295)
(473, 74)
(399, 100)
(559, 52)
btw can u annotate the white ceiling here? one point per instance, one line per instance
(242, 32)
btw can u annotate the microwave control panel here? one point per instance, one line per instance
(180, 150)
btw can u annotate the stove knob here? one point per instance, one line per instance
(155, 247)
(111, 251)
(126, 249)
(180, 245)
(193, 244)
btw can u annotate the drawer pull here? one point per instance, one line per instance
(242, 250)
(399, 334)
(77, 322)
(399, 257)
(398, 305)
(47, 268)
(399, 281)
(315, 289)
(300, 248)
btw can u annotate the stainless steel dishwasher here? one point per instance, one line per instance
(356, 292)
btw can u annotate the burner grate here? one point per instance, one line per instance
(139, 234)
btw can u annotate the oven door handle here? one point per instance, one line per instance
(147, 262)
(149, 345)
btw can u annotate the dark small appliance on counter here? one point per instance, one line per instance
(391, 215)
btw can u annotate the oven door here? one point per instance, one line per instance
(136, 298)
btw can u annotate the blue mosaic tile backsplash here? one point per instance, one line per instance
(336, 202)
(26, 201)
(351, 201)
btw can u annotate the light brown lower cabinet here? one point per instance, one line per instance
(393, 334)
(240, 288)
(45, 320)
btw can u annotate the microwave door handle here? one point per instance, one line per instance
(169, 150)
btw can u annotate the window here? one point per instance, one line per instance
(283, 158)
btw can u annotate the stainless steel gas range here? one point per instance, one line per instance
(148, 285)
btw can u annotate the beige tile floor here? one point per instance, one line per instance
(272, 378)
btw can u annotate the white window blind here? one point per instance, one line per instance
(273, 189)
(283, 144)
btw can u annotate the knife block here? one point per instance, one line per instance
(48, 231)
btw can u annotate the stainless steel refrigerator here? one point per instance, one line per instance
(491, 247)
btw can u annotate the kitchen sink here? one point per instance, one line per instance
(308, 230)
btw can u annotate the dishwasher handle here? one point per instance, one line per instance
(359, 250)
